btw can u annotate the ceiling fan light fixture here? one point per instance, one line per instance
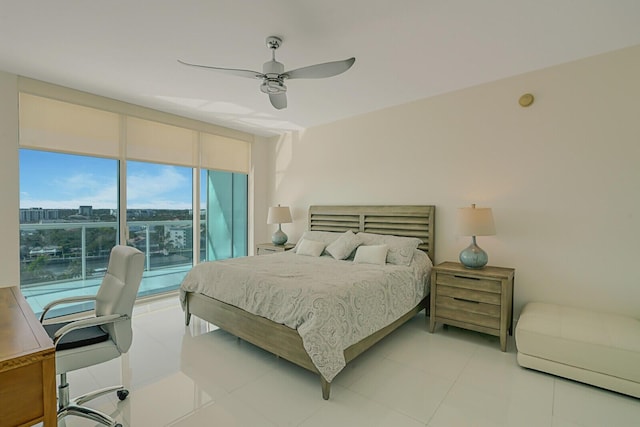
(273, 86)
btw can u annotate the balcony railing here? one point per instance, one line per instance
(62, 259)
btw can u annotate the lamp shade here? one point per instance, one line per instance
(474, 221)
(279, 215)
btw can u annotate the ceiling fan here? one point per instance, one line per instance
(273, 74)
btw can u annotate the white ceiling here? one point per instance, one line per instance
(405, 49)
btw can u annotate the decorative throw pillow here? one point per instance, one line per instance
(310, 247)
(325, 237)
(400, 248)
(344, 245)
(376, 254)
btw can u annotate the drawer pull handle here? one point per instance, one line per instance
(467, 278)
(466, 300)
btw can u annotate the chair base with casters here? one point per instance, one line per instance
(75, 405)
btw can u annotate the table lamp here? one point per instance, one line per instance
(475, 222)
(279, 215)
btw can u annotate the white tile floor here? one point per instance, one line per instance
(201, 376)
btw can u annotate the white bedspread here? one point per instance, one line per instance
(332, 304)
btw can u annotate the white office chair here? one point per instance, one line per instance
(105, 336)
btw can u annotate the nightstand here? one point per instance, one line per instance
(270, 248)
(480, 300)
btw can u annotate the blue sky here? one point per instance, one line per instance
(64, 181)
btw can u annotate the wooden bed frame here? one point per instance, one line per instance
(402, 220)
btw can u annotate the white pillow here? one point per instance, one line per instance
(325, 237)
(344, 245)
(400, 248)
(310, 247)
(376, 254)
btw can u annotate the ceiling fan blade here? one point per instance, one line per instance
(236, 72)
(319, 71)
(278, 100)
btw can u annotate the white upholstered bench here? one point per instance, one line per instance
(583, 345)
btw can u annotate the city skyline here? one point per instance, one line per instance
(66, 181)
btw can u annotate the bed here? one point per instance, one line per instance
(298, 342)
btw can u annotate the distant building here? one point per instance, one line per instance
(36, 215)
(86, 211)
(178, 237)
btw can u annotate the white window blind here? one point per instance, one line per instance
(158, 142)
(61, 126)
(55, 125)
(226, 154)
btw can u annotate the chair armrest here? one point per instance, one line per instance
(85, 323)
(68, 300)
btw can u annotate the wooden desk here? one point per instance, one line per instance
(27, 365)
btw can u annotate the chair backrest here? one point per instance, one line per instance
(118, 292)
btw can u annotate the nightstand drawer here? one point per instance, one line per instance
(467, 294)
(468, 306)
(468, 318)
(266, 251)
(467, 282)
(270, 248)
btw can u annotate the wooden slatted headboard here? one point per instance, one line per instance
(401, 220)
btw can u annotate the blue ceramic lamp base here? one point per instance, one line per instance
(279, 237)
(473, 256)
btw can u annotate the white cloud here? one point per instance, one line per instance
(166, 189)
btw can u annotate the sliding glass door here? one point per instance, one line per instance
(224, 197)
(160, 222)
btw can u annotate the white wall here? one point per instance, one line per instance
(9, 197)
(562, 176)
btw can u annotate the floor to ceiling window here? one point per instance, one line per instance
(91, 178)
(68, 224)
(225, 231)
(160, 222)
